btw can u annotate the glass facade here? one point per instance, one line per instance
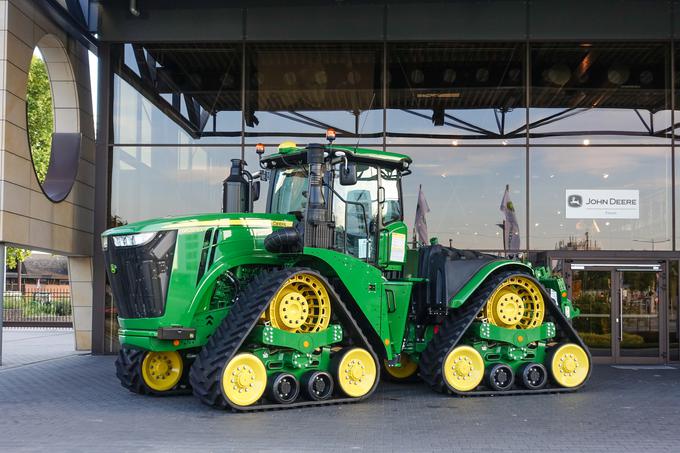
(542, 119)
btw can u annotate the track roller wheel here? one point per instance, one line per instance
(463, 369)
(534, 376)
(318, 385)
(244, 379)
(569, 365)
(500, 377)
(355, 371)
(405, 372)
(283, 388)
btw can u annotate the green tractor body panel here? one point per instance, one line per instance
(384, 304)
(469, 288)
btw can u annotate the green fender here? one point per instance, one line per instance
(466, 291)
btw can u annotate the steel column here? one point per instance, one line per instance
(101, 194)
(2, 292)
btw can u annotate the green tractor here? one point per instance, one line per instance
(306, 303)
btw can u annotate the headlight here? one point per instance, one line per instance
(130, 240)
(105, 243)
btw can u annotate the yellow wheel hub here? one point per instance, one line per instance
(301, 305)
(463, 369)
(244, 379)
(407, 369)
(162, 371)
(569, 365)
(357, 372)
(516, 303)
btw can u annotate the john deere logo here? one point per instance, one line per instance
(575, 201)
(113, 268)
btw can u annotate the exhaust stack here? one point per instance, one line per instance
(318, 226)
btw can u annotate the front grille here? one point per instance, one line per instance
(139, 275)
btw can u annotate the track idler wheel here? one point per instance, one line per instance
(318, 385)
(534, 376)
(463, 369)
(161, 371)
(244, 379)
(355, 371)
(569, 365)
(284, 388)
(500, 377)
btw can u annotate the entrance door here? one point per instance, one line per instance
(621, 310)
(639, 313)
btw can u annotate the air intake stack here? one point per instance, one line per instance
(236, 189)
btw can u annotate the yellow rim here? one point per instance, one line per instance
(357, 372)
(407, 369)
(301, 305)
(463, 368)
(162, 371)
(517, 303)
(569, 365)
(244, 379)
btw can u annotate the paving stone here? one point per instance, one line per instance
(25, 345)
(76, 403)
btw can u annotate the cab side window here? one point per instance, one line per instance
(391, 206)
(355, 219)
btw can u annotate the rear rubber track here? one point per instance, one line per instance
(206, 372)
(459, 321)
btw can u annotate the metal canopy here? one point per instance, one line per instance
(192, 82)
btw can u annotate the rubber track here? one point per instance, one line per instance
(453, 329)
(128, 371)
(206, 371)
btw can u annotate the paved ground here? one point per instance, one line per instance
(76, 403)
(22, 346)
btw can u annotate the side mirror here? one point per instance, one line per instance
(256, 191)
(348, 173)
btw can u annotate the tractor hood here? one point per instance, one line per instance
(202, 221)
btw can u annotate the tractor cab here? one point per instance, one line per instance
(354, 196)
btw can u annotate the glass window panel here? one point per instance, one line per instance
(464, 188)
(455, 93)
(556, 170)
(290, 191)
(600, 93)
(209, 74)
(355, 217)
(149, 182)
(297, 91)
(391, 210)
(673, 344)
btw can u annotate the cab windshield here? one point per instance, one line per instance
(290, 191)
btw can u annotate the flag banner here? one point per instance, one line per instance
(510, 227)
(421, 222)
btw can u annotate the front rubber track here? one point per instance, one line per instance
(224, 343)
(459, 321)
(129, 373)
